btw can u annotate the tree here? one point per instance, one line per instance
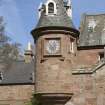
(9, 52)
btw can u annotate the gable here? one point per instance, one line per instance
(92, 30)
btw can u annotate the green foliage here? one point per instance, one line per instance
(29, 103)
(35, 100)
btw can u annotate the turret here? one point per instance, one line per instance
(55, 39)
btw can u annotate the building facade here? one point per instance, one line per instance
(17, 80)
(69, 66)
(67, 60)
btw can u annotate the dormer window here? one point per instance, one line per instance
(51, 8)
(91, 25)
(90, 29)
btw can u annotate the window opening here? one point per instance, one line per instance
(71, 45)
(51, 8)
(101, 56)
(1, 76)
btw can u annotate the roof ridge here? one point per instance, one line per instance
(94, 14)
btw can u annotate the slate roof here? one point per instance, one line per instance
(92, 36)
(18, 73)
(61, 19)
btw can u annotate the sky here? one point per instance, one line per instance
(21, 16)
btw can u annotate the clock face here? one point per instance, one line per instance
(53, 46)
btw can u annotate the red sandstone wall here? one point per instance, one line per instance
(15, 94)
(84, 90)
(100, 85)
(53, 74)
(87, 58)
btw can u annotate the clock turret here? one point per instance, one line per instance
(55, 38)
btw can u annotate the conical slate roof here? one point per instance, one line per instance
(61, 19)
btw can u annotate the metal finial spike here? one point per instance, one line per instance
(40, 6)
(29, 46)
(69, 2)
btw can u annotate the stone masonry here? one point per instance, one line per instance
(15, 94)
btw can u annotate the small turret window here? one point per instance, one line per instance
(51, 8)
(72, 45)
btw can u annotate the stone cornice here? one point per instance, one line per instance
(91, 70)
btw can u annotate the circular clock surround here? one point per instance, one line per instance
(52, 46)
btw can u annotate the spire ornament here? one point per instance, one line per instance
(69, 10)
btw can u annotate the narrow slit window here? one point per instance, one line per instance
(71, 45)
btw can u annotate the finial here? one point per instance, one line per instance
(69, 10)
(40, 6)
(69, 2)
(29, 46)
(40, 9)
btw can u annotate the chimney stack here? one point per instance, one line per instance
(28, 53)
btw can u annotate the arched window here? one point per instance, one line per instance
(51, 8)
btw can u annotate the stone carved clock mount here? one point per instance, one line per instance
(52, 47)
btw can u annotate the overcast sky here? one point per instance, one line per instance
(21, 16)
